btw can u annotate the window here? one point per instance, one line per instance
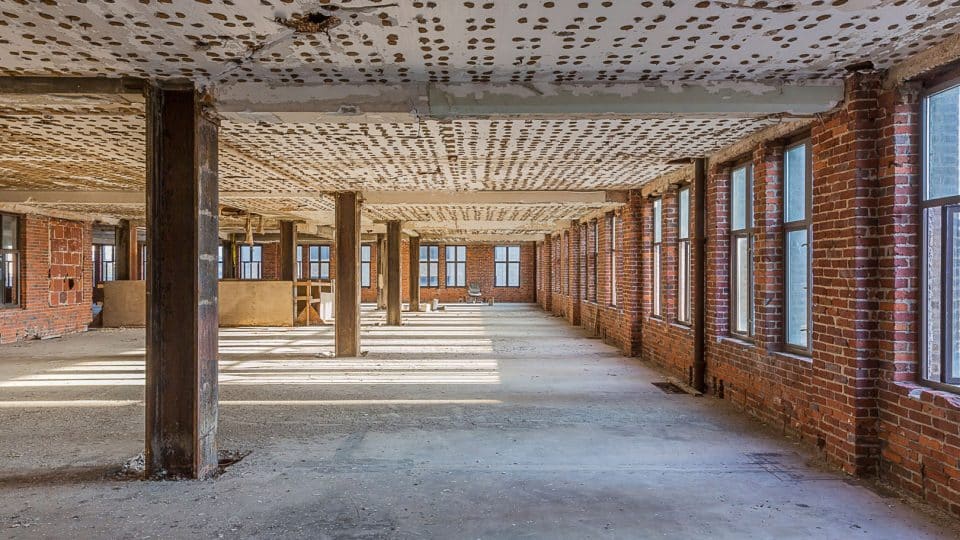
(940, 218)
(584, 262)
(319, 259)
(456, 257)
(299, 262)
(9, 261)
(506, 266)
(143, 260)
(594, 258)
(220, 261)
(683, 256)
(365, 265)
(741, 259)
(429, 266)
(613, 259)
(251, 261)
(104, 263)
(797, 235)
(657, 253)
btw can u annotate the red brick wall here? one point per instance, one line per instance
(857, 397)
(56, 275)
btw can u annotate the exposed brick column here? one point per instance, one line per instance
(844, 276)
(768, 250)
(630, 277)
(717, 262)
(546, 264)
(573, 269)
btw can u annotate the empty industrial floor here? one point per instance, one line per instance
(474, 422)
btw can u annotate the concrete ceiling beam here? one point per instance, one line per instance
(426, 198)
(261, 102)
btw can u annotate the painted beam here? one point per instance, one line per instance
(71, 85)
(263, 102)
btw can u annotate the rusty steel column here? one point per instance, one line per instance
(288, 251)
(182, 320)
(414, 274)
(347, 291)
(699, 273)
(381, 271)
(393, 273)
(126, 251)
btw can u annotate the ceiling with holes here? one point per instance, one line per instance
(379, 41)
(59, 143)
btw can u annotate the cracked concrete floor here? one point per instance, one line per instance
(480, 422)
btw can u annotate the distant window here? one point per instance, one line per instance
(104, 263)
(657, 254)
(456, 266)
(251, 261)
(220, 261)
(941, 236)
(299, 262)
(797, 225)
(429, 266)
(365, 265)
(594, 259)
(683, 256)
(741, 253)
(506, 264)
(9, 261)
(319, 257)
(143, 260)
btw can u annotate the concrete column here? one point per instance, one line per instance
(126, 251)
(347, 290)
(288, 251)
(414, 274)
(182, 320)
(393, 273)
(381, 271)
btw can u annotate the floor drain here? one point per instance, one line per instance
(669, 388)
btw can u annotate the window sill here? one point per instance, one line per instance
(929, 394)
(682, 326)
(737, 340)
(787, 355)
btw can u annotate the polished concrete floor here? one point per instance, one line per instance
(474, 422)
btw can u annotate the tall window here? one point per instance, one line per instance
(797, 181)
(612, 223)
(657, 253)
(319, 258)
(365, 265)
(941, 236)
(220, 261)
(683, 256)
(456, 257)
(741, 251)
(594, 258)
(584, 262)
(506, 266)
(299, 262)
(251, 261)
(143, 260)
(429, 266)
(9, 261)
(104, 263)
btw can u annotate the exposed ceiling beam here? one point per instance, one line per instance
(73, 197)
(262, 102)
(384, 198)
(16, 208)
(71, 85)
(480, 237)
(479, 225)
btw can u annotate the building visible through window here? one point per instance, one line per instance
(104, 263)
(9, 261)
(797, 234)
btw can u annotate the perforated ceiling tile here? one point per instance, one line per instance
(453, 40)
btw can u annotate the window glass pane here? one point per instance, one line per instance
(314, 253)
(461, 253)
(324, 253)
(795, 183)
(423, 253)
(257, 253)
(738, 199)
(500, 253)
(656, 280)
(513, 275)
(500, 274)
(933, 271)
(450, 252)
(462, 274)
(955, 296)
(364, 253)
(742, 286)
(513, 253)
(942, 165)
(797, 288)
(683, 255)
(8, 235)
(684, 225)
(657, 220)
